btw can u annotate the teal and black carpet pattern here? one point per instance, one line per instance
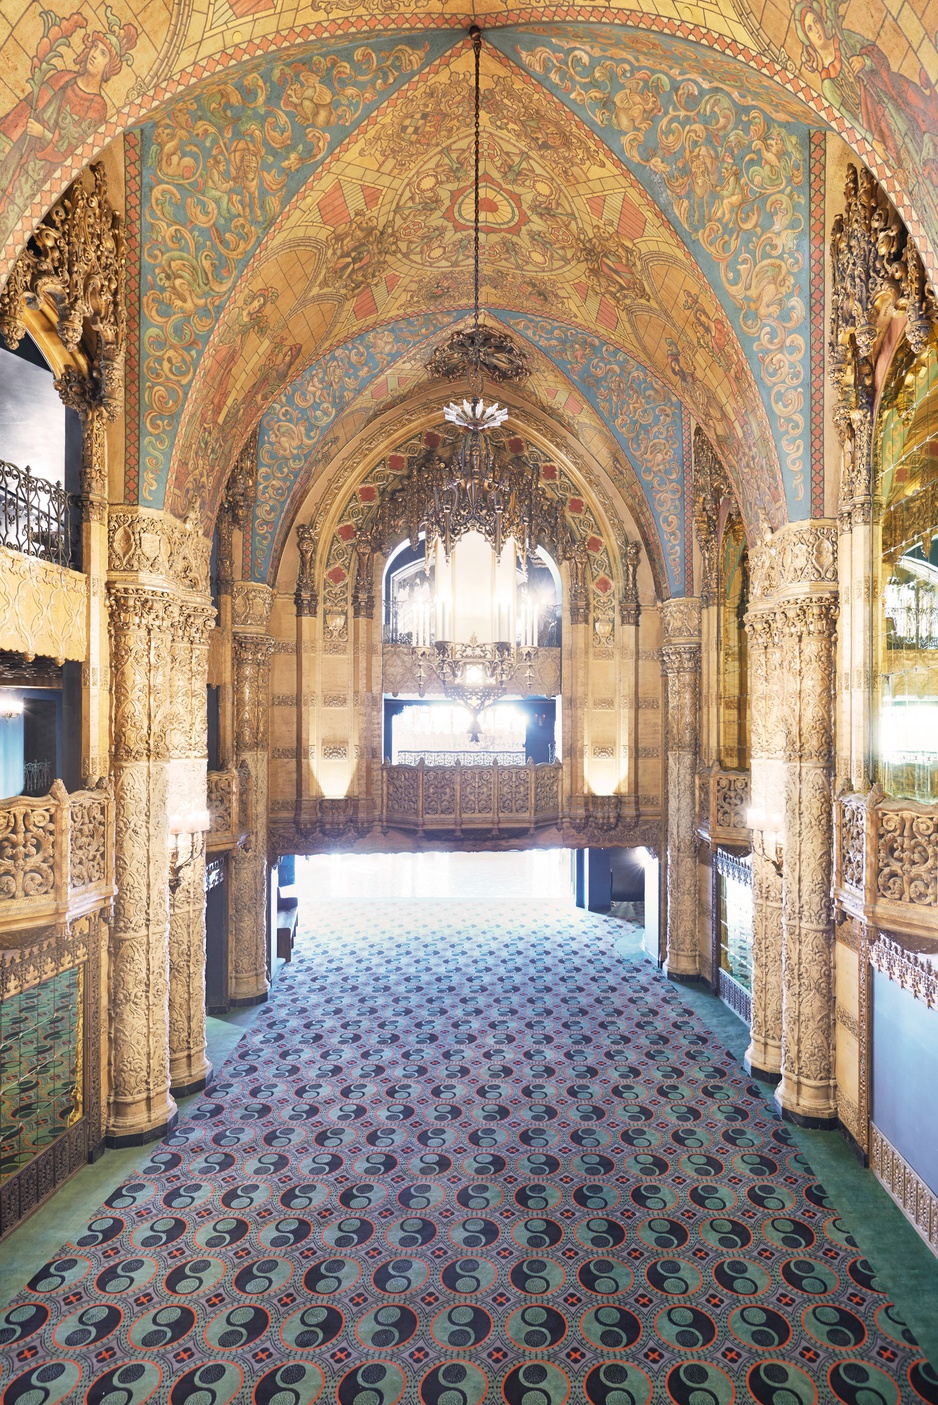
(460, 1159)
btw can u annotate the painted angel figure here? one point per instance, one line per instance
(65, 108)
(857, 79)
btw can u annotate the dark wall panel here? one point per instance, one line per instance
(905, 1075)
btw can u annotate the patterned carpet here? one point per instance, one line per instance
(466, 1155)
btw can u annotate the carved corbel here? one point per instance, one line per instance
(363, 593)
(579, 584)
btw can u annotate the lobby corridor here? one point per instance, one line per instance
(467, 1152)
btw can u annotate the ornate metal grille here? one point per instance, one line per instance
(37, 517)
(37, 777)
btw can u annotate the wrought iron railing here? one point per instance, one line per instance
(38, 517)
(37, 777)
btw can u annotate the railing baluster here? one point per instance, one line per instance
(35, 515)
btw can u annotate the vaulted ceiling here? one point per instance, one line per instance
(654, 206)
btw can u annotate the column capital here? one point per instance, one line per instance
(680, 619)
(252, 603)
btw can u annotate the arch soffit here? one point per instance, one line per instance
(327, 501)
(718, 386)
(178, 49)
(645, 461)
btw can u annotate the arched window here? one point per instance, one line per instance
(905, 711)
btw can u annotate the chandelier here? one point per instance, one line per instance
(478, 490)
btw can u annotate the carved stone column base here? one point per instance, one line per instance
(242, 1001)
(189, 1073)
(806, 1102)
(143, 1120)
(675, 970)
(184, 1089)
(763, 1059)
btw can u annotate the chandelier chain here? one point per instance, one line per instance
(476, 36)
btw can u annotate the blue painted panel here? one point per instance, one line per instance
(905, 1075)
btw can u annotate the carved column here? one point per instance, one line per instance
(79, 393)
(807, 1092)
(307, 605)
(366, 665)
(140, 1105)
(249, 918)
(629, 615)
(575, 682)
(189, 1066)
(226, 574)
(764, 1055)
(680, 662)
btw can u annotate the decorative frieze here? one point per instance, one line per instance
(43, 608)
(847, 1020)
(912, 970)
(906, 1187)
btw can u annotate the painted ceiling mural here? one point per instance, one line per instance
(734, 181)
(295, 427)
(74, 76)
(218, 168)
(301, 431)
(382, 231)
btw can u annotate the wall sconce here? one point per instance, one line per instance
(11, 706)
(603, 628)
(767, 837)
(335, 622)
(186, 843)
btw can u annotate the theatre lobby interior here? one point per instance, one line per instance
(468, 702)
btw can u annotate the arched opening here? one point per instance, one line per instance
(905, 621)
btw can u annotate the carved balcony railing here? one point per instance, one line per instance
(454, 799)
(37, 518)
(886, 861)
(56, 856)
(409, 672)
(723, 799)
(228, 807)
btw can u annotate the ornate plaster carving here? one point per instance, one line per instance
(75, 262)
(43, 608)
(799, 555)
(251, 606)
(154, 544)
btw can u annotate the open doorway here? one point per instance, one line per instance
(516, 876)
